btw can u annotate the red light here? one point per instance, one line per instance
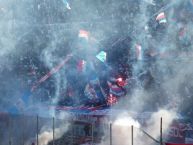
(120, 79)
(121, 82)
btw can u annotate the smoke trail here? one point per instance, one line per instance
(50, 61)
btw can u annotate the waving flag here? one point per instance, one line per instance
(90, 92)
(102, 56)
(51, 72)
(111, 100)
(84, 34)
(150, 2)
(138, 51)
(116, 90)
(161, 18)
(67, 4)
(81, 66)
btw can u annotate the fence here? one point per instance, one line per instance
(25, 130)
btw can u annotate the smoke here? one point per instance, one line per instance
(21, 45)
(10, 34)
(169, 84)
(169, 76)
(121, 128)
(51, 61)
(45, 135)
(154, 122)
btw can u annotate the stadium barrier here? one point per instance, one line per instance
(10, 122)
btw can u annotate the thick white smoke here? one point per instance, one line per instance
(121, 128)
(47, 135)
(153, 124)
(61, 126)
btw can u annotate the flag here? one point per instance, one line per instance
(150, 2)
(51, 72)
(138, 51)
(161, 18)
(184, 37)
(90, 92)
(20, 104)
(24, 101)
(84, 34)
(81, 66)
(111, 100)
(116, 90)
(26, 97)
(102, 56)
(67, 4)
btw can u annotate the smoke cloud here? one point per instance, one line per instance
(121, 128)
(45, 135)
(171, 74)
(28, 39)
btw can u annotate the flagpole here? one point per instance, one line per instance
(72, 133)
(37, 129)
(10, 130)
(161, 141)
(23, 138)
(132, 135)
(111, 124)
(53, 131)
(92, 133)
(111, 134)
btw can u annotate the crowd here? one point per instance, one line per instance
(137, 61)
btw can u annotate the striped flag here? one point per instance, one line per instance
(116, 90)
(51, 72)
(111, 100)
(90, 92)
(84, 34)
(161, 18)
